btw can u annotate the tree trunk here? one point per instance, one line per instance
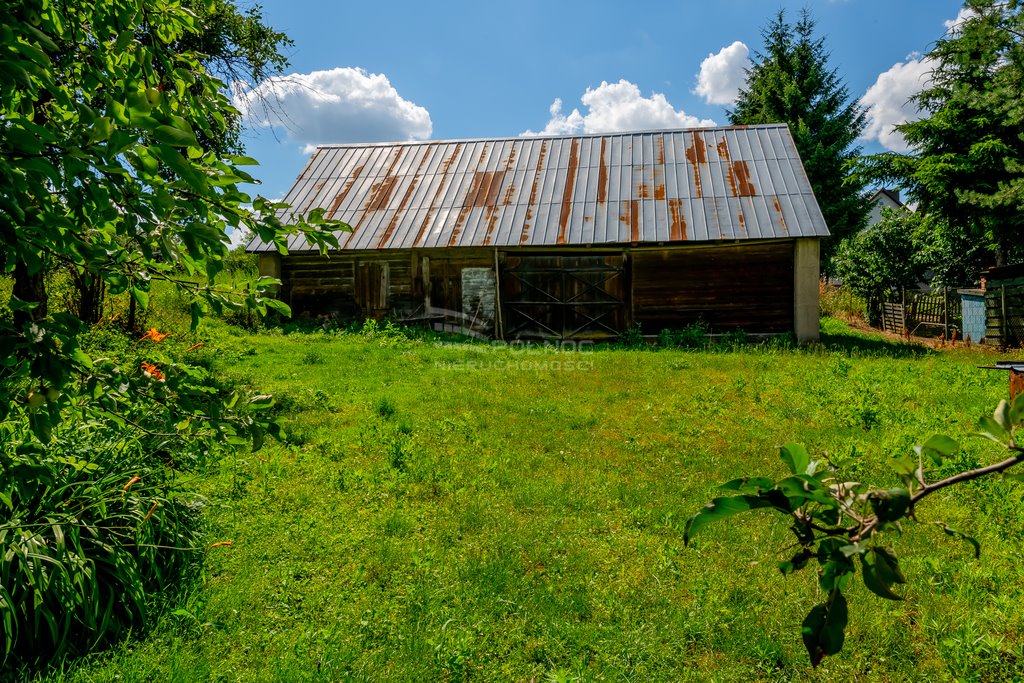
(91, 294)
(31, 288)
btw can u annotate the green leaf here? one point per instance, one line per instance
(796, 457)
(720, 508)
(753, 485)
(261, 402)
(890, 505)
(881, 570)
(835, 572)
(939, 447)
(140, 295)
(80, 357)
(950, 531)
(904, 465)
(175, 136)
(101, 130)
(17, 304)
(823, 630)
(991, 429)
(1002, 415)
(279, 306)
(1017, 410)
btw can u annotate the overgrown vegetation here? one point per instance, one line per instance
(119, 170)
(457, 511)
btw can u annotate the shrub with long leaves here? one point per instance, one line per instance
(90, 532)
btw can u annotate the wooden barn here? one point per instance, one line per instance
(575, 237)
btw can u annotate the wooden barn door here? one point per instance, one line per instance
(563, 297)
(372, 289)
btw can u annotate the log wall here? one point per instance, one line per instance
(747, 286)
(738, 287)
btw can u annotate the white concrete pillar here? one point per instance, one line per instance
(806, 274)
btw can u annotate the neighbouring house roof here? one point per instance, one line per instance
(883, 198)
(882, 194)
(701, 185)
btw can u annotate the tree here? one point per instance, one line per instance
(231, 45)
(882, 258)
(901, 250)
(966, 160)
(791, 82)
(106, 162)
(116, 158)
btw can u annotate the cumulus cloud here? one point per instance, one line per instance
(615, 107)
(722, 74)
(238, 237)
(953, 25)
(888, 100)
(333, 106)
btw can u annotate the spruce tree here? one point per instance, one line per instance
(966, 160)
(791, 82)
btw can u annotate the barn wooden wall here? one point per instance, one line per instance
(748, 286)
(378, 283)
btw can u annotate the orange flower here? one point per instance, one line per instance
(150, 513)
(194, 347)
(222, 543)
(155, 335)
(131, 481)
(153, 371)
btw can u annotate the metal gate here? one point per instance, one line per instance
(563, 297)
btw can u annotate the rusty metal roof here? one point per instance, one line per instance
(701, 185)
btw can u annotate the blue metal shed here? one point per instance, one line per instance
(972, 310)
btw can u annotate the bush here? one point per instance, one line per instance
(632, 337)
(840, 302)
(96, 530)
(693, 336)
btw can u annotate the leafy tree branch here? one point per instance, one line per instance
(840, 523)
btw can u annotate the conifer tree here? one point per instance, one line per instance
(966, 160)
(791, 82)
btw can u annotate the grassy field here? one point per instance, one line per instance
(461, 512)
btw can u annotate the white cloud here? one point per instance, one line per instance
(888, 100)
(238, 237)
(616, 107)
(953, 25)
(723, 74)
(338, 105)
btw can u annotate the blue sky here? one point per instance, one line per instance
(387, 71)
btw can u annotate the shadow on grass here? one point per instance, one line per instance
(837, 336)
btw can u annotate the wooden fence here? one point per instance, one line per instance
(1004, 314)
(917, 313)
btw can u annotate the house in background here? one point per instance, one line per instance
(884, 199)
(577, 237)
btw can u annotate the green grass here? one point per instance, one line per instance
(463, 512)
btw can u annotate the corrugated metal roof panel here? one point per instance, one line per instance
(665, 186)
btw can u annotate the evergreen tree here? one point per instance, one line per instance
(966, 165)
(791, 82)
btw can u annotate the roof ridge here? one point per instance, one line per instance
(581, 136)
